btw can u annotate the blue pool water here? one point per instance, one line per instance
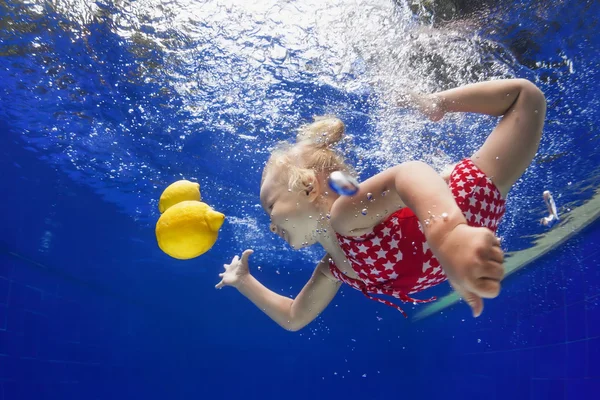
(104, 104)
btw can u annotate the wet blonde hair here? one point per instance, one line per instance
(311, 155)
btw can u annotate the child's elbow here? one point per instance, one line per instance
(297, 321)
(533, 93)
(294, 326)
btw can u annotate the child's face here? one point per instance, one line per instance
(294, 215)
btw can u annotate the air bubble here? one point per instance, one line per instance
(364, 211)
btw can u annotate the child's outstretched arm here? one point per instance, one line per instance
(290, 314)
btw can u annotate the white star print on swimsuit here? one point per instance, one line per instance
(395, 258)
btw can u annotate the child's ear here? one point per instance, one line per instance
(311, 189)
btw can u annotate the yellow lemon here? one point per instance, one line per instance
(188, 229)
(177, 192)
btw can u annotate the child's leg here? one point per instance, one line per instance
(510, 148)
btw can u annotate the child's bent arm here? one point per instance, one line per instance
(413, 184)
(491, 97)
(294, 314)
(424, 191)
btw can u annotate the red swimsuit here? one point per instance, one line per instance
(395, 258)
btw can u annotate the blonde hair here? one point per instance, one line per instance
(311, 155)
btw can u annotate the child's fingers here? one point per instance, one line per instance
(474, 301)
(219, 285)
(486, 288)
(491, 270)
(246, 254)
(476, 304)
(497, 254)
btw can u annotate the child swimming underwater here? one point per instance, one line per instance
(406, 229)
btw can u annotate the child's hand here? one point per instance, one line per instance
(428, 104)
(236, 271)
(472, 259)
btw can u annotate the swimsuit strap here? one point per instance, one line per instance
(402, 296)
